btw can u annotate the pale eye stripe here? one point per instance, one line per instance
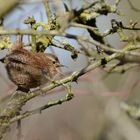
(16, 66)
(17, 58)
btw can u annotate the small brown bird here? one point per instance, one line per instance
(27, 69)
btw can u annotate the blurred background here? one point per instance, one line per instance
(94, 113)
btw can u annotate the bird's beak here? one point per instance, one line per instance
(62, 66)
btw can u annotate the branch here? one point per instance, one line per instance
(133, 7)
(127, 57)
(40, 109)
(133, 110)
(120, 69)
(27, 32)
(6, 6)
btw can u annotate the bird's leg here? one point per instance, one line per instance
(23, 89)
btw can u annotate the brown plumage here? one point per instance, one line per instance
(27, 69)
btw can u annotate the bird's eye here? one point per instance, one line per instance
(54, 62)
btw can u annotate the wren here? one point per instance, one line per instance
(28, 69)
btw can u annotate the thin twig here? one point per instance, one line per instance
(133, 7)
(19, 133)
(40, 109)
